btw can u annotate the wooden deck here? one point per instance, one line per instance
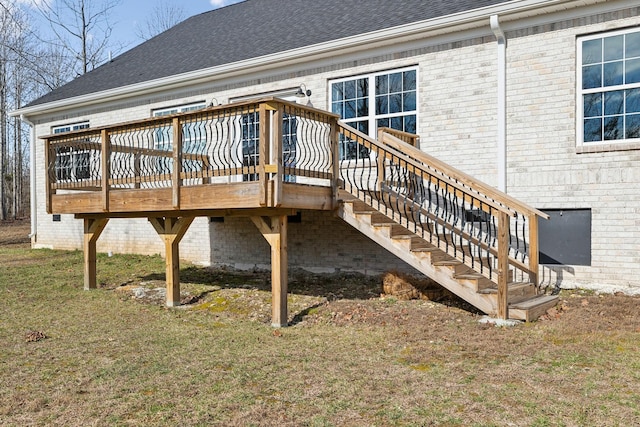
(268, 158)
(202, 200)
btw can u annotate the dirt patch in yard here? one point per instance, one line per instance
(15, 233)
(352, 298)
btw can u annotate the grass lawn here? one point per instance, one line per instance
(350, 358)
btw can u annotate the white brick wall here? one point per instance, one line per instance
(545, 170)
(457, 123)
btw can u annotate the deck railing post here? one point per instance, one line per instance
(533, 250)
(380, 163)
(503, 265)
(177, 162)
(48, 158)
(335, 161)
(277, 157)
(106, 168)
(263, 152)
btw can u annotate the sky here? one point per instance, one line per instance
(130, 14)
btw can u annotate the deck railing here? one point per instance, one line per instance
(272, 142)
(487, 230)
(268, 140)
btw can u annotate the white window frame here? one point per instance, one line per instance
(73, 164)
(286, 95)
(372, 118)
(166, 141)
(603, 144)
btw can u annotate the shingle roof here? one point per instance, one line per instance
(250, 29)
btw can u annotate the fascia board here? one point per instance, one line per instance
(423, 29)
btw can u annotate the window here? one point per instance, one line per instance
(250, 144)
(193, 138)
(386, 99)
(609, 87)
(250, 136)
(71, 163)
(289, 144)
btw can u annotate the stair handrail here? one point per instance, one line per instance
(444, 169)
(517, 248)
(408, 137)
(420, 165)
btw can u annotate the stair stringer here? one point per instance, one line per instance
(443, 276)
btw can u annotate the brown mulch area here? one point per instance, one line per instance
(15, 233)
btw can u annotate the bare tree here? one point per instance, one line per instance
(81, 29)
(163, 16)
(6, 33)
(22, 64)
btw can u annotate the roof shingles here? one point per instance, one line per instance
(251, 29)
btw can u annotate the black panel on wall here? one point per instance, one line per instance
(565, 238)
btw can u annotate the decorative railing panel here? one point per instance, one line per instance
(445, 207)
(250, 141)
(74, 161)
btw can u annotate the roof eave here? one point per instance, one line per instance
(428, 28)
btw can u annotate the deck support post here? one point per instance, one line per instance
(503, 265)
(274, 230)
(92, 230)
(172, 230)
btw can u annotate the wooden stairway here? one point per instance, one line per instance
(524, 302)
(476, 241)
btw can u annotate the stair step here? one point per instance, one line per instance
(425, 249)
(419, 242)
(373, 217)
(475, 281)
(447, 262)
(359, 205)
(517, 292)
(392, 229)
(533, 308)
(455, 266)
(364, 211)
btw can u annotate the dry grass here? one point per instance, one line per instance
(350, 359)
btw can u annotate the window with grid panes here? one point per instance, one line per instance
(193, 138)
(609, 87)
(72, 164)
(367, 102)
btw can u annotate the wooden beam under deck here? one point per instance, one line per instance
(240, 195)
